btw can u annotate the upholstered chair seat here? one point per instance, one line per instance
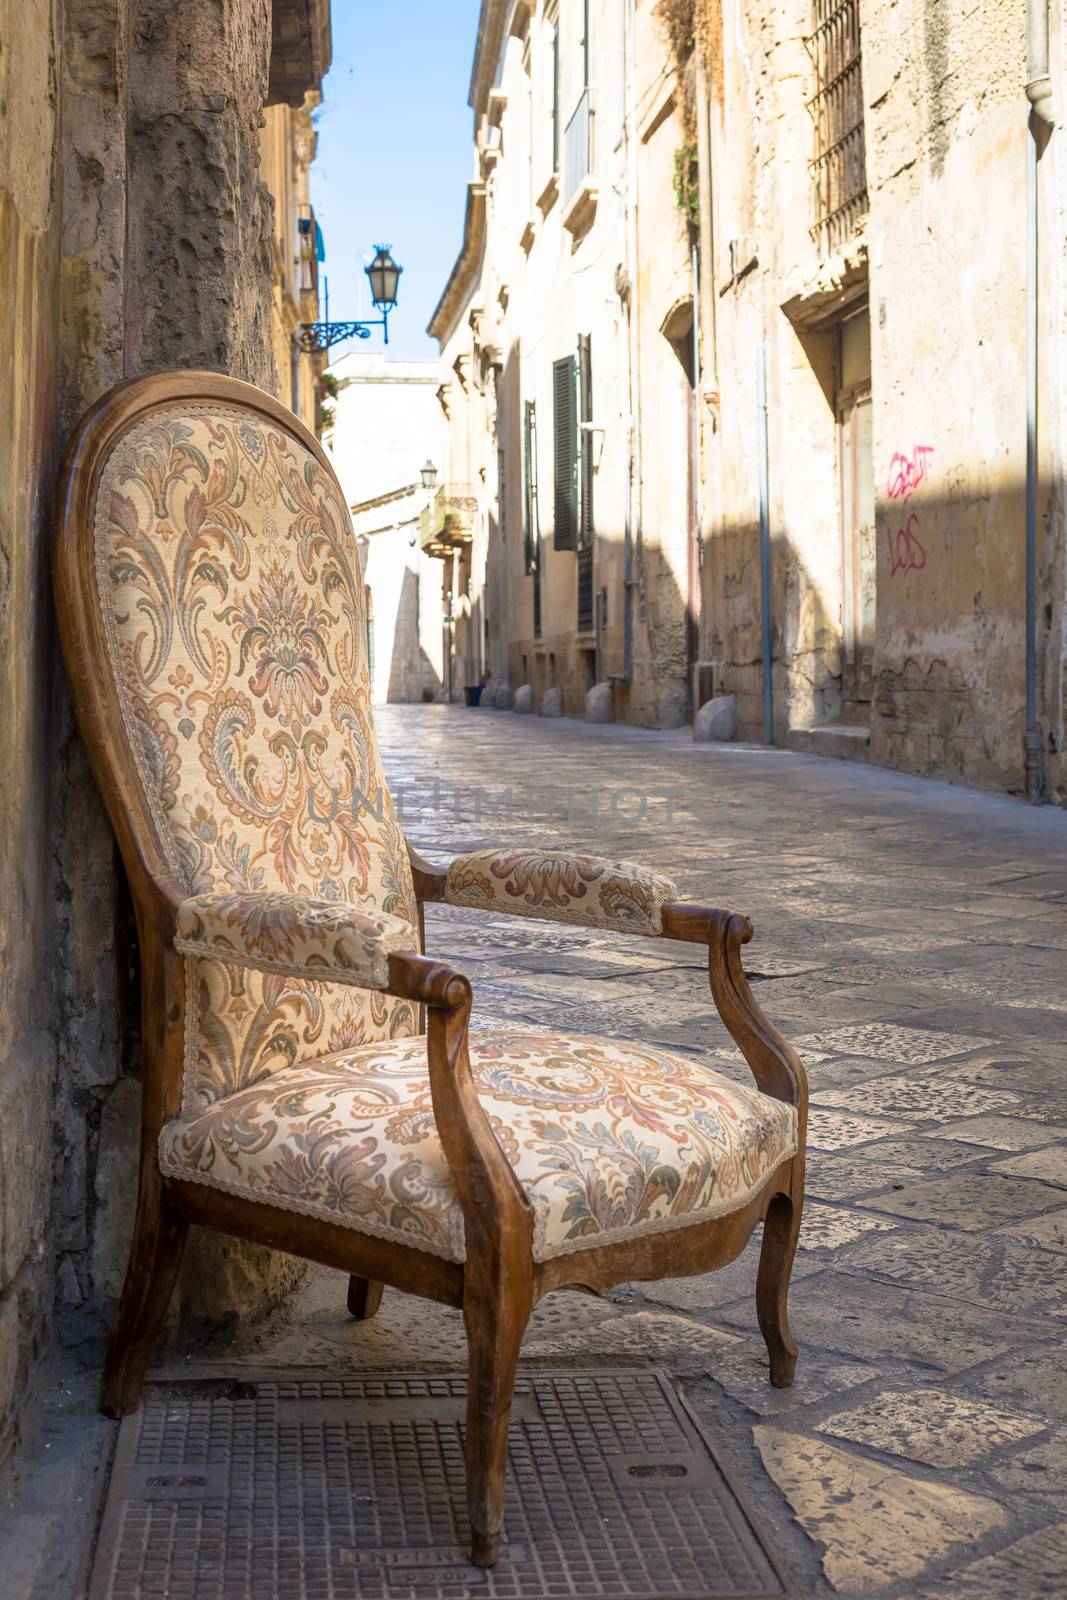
(611, 1141)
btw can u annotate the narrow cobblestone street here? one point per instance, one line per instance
(911, 940)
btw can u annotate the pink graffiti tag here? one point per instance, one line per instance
(907, 472)
(906, 550)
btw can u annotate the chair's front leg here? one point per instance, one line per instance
(498, 1266)
(781, 1227)
(495, 1314)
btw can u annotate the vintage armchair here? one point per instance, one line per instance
(212, 614)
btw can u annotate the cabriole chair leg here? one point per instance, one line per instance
(780, 1229)
(364, 1297)
(155, 1258)
(494, 1337)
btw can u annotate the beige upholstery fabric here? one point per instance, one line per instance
(234, 610)
(290, 934)
(610, 1140)
(561, 888)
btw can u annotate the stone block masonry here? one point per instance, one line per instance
(135, 236)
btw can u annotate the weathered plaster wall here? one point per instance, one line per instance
(949, 375)
(29, 254)
(945, 124)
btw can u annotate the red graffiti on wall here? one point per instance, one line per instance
(906, 550)
(907, 472)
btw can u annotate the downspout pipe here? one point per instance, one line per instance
(632, 515)
(765, 547)
(1039, 95)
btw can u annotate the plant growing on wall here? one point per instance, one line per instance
(687, 183)
(685, 26)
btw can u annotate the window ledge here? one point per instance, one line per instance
(581, 208)
(549, 195)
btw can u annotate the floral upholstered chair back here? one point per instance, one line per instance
(235, 624)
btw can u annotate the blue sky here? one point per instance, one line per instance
(395, 156)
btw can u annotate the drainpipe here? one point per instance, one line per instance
(765, 549)
(1039, 94)
(632, 509)
(708, 390)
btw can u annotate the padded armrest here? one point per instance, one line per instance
(327, 940)
(559, 887)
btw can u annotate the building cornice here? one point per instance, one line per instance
(360, 506)
(301, 49)
(491, 24)
(461, 278)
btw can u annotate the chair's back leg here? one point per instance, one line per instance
(495, 1326)
(155, 1257)
(780, 1229)
(364, 1297)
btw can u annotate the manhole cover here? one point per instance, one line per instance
(353, 1489)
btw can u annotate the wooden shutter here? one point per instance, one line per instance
(565, 452)
(529, 481)
(585, 440)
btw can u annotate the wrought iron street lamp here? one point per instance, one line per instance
(384, 275)
(429, 474)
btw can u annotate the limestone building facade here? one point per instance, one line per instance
(853, 157)
(136, 234)
(566, 338)
(738, 377)
(386, 432)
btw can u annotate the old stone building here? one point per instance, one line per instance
(385, 439)
(287, 149)
(566, 338)
(864, 253)
(136, 235)
(845, 412)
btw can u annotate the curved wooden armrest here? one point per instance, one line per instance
(775, 1065)
(497, 1215)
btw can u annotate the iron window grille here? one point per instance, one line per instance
(839, 163)
(585, 589)
(531, 530)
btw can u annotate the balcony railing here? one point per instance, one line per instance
(447, 524)
(578, 148)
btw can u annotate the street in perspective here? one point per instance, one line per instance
(533, 898)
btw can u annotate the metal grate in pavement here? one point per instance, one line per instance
(353, 1489)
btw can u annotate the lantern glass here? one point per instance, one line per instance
(384, 275)
(429, 474)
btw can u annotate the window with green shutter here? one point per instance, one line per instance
(586, 527)
(565, 452)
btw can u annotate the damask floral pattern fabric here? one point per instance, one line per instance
(560, 887)
(610, 1140)
(290, 934)
(235, 616)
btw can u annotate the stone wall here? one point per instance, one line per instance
(946, 151)
(135, 236)
(29, 256)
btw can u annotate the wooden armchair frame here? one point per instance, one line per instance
(499, 1283)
